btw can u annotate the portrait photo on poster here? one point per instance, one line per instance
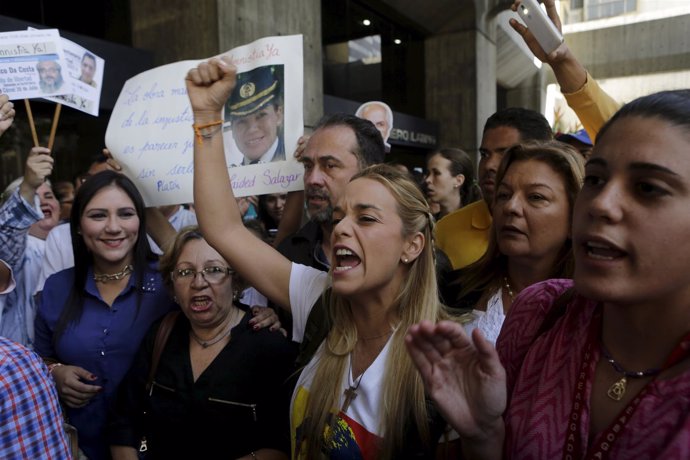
(83, 73)
(50, 78)
(253, 128)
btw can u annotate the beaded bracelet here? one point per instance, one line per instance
(202, 132)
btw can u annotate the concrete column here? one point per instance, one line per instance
(530, 94)
(179, 29)
(460, 85)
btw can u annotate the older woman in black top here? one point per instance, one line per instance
(217, 391)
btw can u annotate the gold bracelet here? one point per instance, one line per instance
(201, 131)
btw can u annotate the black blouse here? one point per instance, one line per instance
(239, 404)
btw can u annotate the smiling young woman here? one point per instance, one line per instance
(92, 317)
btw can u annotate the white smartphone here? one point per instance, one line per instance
(540, 25)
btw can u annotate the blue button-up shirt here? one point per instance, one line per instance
(103, 342)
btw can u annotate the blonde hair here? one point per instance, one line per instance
(403, 392)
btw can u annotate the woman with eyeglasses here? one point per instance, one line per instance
(216, 392)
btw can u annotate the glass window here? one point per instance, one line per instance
(597, 9)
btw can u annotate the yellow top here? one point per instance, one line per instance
(463, 235)
(593, 106)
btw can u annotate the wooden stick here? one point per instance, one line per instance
(31, 122)
(53, 128)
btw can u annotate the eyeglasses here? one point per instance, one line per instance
(212, 275)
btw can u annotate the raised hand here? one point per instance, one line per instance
(39, 165)
(463, 376)
(531, 42)
(209, 85)
(301, 145)
(69, 381)
(6, 113)
(111, 162)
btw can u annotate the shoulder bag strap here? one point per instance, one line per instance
(162, 335)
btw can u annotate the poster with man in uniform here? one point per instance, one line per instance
(254, 117)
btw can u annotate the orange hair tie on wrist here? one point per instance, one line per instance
(200, 135)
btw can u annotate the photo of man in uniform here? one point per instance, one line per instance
(88, 69)
(254, 113)
(50, 76)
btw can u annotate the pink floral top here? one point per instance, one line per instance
(541, 378)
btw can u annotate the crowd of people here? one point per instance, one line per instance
(533, 311)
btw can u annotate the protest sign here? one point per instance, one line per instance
(31, 63)
(85, 78)
(150, 130)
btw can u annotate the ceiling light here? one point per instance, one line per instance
(366, 22)
(397, 41)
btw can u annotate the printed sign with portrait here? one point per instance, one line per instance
(85, 72)
(31, 64)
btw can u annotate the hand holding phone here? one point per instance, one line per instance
(543, 30)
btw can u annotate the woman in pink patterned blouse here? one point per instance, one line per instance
(601, 371)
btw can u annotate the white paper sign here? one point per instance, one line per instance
(85, 72)
(31, 64)
(150, 130)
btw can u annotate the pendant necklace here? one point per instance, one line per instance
(617, 390)
(351, 391)
(215, 340)
(601, 447)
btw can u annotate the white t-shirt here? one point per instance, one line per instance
(253, 298)
(58, 254)
(358, 430)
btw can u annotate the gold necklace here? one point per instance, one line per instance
(105, 277)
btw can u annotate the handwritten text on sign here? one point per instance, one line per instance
(150, 130)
